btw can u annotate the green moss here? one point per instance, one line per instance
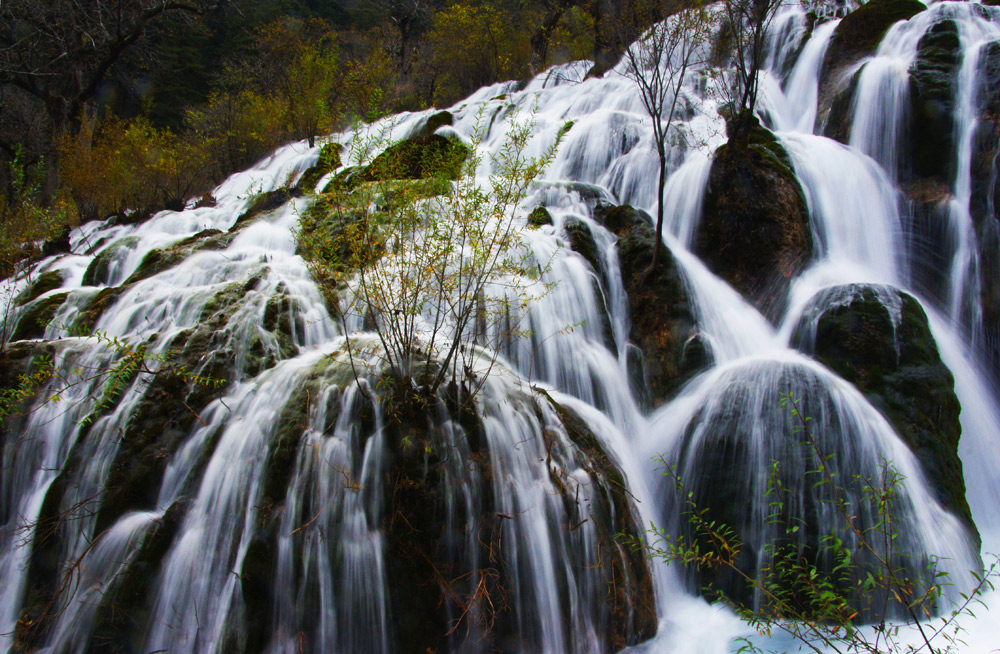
(538, 217)
(419, 158)
(98, 272)
(46, 282)
(329, 159)
(37, 317)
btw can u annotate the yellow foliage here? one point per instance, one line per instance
(474, 45)
(129, 166)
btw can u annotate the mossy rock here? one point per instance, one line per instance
(421, 157)
(581, 240)
(539, 217)
(633, 618)
(121, 619)
(98, 273)
(434, 122)
(37, 316)
(87, 317)
(933, 89)
(662, 318)
(422, 541)
(48, 281)
(747, 467)
(878, 338)
(162, 420)
(160, 259)
(268, 201)
(754, 231)
(329, 160)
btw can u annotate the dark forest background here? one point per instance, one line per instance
(123, 107)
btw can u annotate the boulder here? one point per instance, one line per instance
(421, 157)
(858, 35)
(878, 338)
(771, 478)
(36, 317)
(450, 546)
(422, 541)
(47, 281)
(539, 217)
(662, 321)
(754, 231)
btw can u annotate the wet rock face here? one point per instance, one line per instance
(427, 553)
(782, 509)
(878, 339)
(857, 36)
(933, 89)
(985, 190)
(449, 543)
(754, 231)
(860, 32)
(662, 321)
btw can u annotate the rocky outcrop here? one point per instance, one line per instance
(986, 140)
(754, 231)
(778, 519)
(878, 339)
(857, 36)
(420, 157)
(662, 321)
(933, 90)
(449, 544)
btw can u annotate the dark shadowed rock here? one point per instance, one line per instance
(878, 338)
(933, 89)
(857, 36)
(662, 320)
(754, 231)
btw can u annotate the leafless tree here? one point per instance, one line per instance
(747, 21)
(59, 51)
(658, 63)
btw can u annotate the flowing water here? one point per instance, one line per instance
(187, 559)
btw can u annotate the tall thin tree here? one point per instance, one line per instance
(658, 62)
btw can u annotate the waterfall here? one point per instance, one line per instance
(247, 491)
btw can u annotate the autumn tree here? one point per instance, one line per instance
(409, 20)
(296, 61)
(658, 63)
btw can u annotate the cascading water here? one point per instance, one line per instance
(274, 513)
